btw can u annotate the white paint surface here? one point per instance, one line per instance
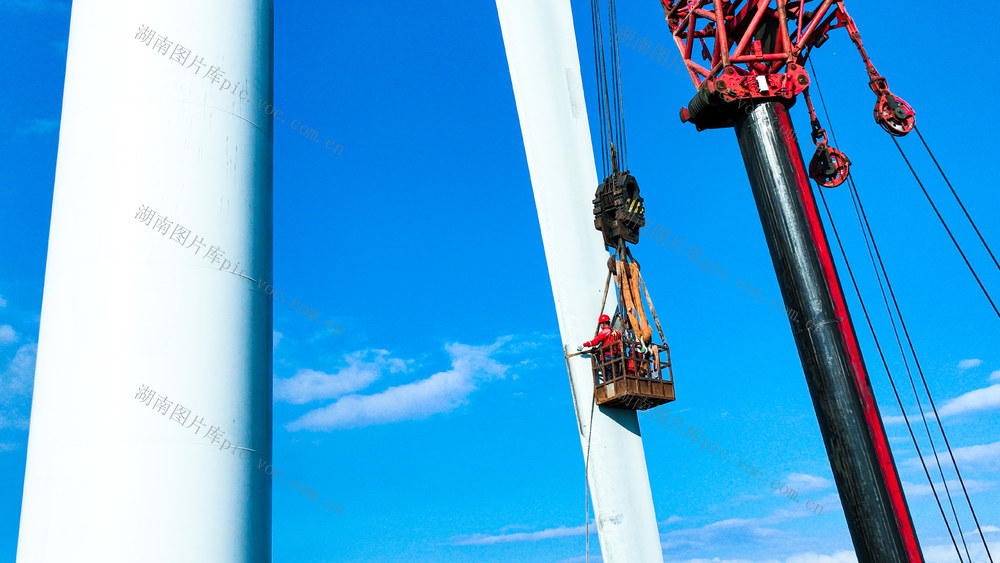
(545, 72)
(108, 478)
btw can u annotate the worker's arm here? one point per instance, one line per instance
(599, 338)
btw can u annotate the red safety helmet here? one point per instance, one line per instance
(603, 319)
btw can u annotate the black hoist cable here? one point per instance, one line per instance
(943, 223)
(863, 217)
(885, 364)
(958, 199)
(867, 232)
(609, 89)
(598, 39)
(616, 66)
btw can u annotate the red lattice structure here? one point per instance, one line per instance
(748, 50)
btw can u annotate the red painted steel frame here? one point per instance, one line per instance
(756, 49)
(737, 43)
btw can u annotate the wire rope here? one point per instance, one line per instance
(943, 223)
(866, 230)
(958, 199)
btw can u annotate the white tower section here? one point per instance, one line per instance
(545, 72)
(109, 477)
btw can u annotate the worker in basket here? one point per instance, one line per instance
(608, 341)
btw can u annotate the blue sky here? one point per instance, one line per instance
(440, 418)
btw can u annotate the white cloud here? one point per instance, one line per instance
(731, 526)
(980, 399)
(438, 393)
(914, 418)
(39, 126)
(3, 303)
(15, 386)
(914, 490)
(10, 446)
(982, 456)
(276, 338)
(974, 534)
(972, 401)
(19, 376)
(830, 501)
(7, 334)
(672, 520)
(945, 553)
(517, 537)
(16, 421)
(733, 540)
(802, 482)
(809, 557)
(838, 557)
(969, 364)
(995, 376)
(363, 368)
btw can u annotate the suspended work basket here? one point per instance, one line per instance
(625, 377)
(633, 372)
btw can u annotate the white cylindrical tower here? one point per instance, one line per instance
(545, 72)
(152, 399)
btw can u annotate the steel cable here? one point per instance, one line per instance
(609, 89)
(943, 223)
(867, 232)
(866, 228)
(613, 29)
(600, 99)
(958, 199)
(603, 103)
(885, 364)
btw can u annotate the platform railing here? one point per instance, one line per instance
(623, 359)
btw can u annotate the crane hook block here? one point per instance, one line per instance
(618, 209)
(829, 167)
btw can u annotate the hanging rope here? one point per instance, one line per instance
(616, 66)
(633, 281)
(938, 213)
(595, 20)
(586, 471)
(609, 90)
(892, 382)
(613, 155)
(652, 311)
(958, 199)
(923, 379)
(590, 430)
(869, 235)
